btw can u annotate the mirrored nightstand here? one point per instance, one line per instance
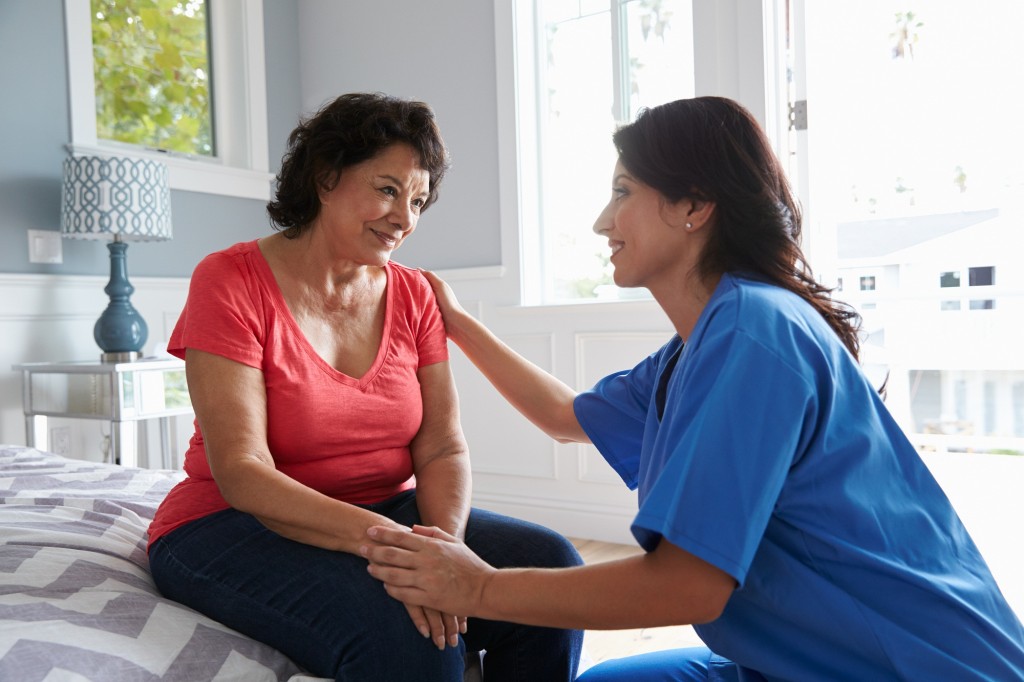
(122, 393)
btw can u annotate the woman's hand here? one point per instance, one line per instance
(442, 628)
(428, 567)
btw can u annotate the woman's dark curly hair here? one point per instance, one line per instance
(712, 149)
(349, 130)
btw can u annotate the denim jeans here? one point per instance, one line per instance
(324, 610)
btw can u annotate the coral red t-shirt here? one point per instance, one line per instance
(344, 436)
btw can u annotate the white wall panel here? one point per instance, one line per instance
(597, 356)
(501, 440)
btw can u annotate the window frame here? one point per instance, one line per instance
(240, 167)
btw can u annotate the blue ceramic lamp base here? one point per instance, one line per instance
(120, 332)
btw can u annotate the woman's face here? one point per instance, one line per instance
(644, 245)
(375, 205)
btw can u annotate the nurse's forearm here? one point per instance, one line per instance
(642, 591)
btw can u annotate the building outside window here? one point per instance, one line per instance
(914, 191)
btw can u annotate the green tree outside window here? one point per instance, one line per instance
(152, 68)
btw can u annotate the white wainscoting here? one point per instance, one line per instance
(48, 318)
(517, 469)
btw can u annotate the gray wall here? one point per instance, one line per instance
(440, 52)
(34, 129)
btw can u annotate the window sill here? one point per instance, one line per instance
(193, 175)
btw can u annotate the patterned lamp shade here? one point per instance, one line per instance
(116, 198)
(121, 200)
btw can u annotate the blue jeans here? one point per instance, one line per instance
(323, 609)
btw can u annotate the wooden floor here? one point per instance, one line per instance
(599, 645)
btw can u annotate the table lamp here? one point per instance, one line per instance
(117, 199)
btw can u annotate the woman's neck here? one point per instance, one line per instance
(684, 302)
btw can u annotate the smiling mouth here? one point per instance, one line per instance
(386, 238)
(615, 247)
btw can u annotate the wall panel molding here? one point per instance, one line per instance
(599, 354)
(501, 440)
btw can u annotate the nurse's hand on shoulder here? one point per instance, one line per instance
(446, 299)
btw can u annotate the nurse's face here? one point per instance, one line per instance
(642, 231)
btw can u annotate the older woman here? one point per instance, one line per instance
(325, 405)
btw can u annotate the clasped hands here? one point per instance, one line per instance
(429, 568)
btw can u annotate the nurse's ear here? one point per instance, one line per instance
(689, 214)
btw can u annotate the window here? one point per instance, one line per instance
(981, 277)
(239, 163)
(901, 190)
(949, 279)
(152, 63)
(1017, 398)
(597, 62)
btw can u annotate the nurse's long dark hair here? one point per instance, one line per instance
(711, 148)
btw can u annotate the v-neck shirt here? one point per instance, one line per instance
(347, 437)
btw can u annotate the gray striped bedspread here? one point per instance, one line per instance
(77, 602)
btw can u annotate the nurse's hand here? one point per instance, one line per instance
(428, 567)
(451, 309)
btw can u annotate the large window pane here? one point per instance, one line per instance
(599, 62)
(915, 185)
(152, 72)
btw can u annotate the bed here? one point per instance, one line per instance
(77, 603)
(76, 599)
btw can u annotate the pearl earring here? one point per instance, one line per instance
(689, 226)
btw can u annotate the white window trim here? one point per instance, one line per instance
(241, 168)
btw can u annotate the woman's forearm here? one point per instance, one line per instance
(294, 510)
(443, 494)
(543, 399)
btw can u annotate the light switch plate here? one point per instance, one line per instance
(45, 246)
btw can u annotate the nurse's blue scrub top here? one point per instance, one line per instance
(761, 448)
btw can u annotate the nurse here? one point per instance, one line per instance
(783, 512)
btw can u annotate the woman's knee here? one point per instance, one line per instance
(506, 542)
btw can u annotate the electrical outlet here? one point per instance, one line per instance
(60, 440)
